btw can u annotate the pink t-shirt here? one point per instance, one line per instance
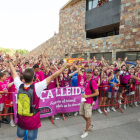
(19, 67)
(88, 91)
(39, 76)
(65, 81)
(81, 80)
(3, 86)
(105, 84)
(138, 82)
(96, 78)
(9, 80)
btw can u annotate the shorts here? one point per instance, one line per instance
(32, 134)
(1, 106)
(110, 94)
(104, 93)
(86, 110)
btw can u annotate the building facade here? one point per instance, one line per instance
(111, 30)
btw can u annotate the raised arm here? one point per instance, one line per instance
(14, 73)
(57, 73)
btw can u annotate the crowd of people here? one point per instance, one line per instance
(101, 2)
(106, 75)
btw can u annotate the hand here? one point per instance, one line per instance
(16, 54)
(5, 91)
(84, 96)
(0, 96)
(114, 85)
(125, 59)
(1, 53)
(68, 65)
(7, 56)
(58, 86)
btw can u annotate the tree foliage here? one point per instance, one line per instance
(13, 51)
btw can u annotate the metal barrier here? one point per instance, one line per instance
(8, 103)
(121, 96)
(115, 98)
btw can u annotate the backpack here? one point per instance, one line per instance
(25, 101)
(95, 97)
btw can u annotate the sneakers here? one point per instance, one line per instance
(12, 123)
(85, 134)
(124, 106)
(108, 109)
(99, 110)
(76, 113)
(131, 105)
(113, 109)
(5, 121)
(135, 103)
(121, 97)
(91, 127)
(119, 101)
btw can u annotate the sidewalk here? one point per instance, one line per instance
(117, 125)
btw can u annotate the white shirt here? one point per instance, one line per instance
(39, 87)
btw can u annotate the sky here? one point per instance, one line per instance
(25, 24)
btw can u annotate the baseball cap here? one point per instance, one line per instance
(89, 70)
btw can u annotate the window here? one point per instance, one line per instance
(131, 56)
(107, 56)
(92, 4)
(110, 33)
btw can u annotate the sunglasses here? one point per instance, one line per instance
(83, 71)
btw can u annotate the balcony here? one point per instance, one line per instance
(104, 19)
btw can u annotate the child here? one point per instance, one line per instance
(130, 92)
(3, 90)
(104, 90)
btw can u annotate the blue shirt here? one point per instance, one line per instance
(74, 80)
(114, 80)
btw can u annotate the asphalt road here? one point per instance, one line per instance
(117, 125)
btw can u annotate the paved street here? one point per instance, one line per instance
(117, 125)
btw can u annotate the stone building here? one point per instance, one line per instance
(111, 30)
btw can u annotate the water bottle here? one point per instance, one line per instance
(83, 92)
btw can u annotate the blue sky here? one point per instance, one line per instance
(25, 24)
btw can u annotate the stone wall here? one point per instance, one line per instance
(71, 36)
(129, 37)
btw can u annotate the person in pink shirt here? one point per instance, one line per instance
(39, 74)
(65, 82)
(96, 76)
(81, 76)
(31, 123)
(104, 89)
(3, 90)
(86, 107)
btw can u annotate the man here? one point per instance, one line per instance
(96, 76)
(86, 107)
(39, 74)
(31, 123)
